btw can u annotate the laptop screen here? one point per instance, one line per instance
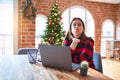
(56, 56)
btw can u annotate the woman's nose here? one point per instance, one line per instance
(76, 26)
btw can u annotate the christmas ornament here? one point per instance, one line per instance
(60, 18)
(51, 41)
(50, 23)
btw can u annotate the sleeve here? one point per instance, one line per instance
(87, 52)
(67, 42)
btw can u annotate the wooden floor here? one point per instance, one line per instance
(111, 68)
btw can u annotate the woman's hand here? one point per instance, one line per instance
(74, 43)
(75, 40)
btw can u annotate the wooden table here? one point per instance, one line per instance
(17, 67)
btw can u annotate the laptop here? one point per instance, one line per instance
(57, 57)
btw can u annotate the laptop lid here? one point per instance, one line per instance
(56, 56)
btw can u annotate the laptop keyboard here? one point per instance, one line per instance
(74, 66)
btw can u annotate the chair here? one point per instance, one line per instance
(24, 50)
(98, 62)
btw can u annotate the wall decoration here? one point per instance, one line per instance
(28, 10)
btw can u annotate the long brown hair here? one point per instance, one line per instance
(83, 36)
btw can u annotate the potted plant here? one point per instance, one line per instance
(83, 68)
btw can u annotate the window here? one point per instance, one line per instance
(107, 28)
(6, 27)
(107, 34)
(40, 27)
(81, 12)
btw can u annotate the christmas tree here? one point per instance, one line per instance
(53, 33)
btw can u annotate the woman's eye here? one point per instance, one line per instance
(74, 24)
(79, 24)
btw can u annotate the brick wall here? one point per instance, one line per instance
(118, 15)
(100, 12)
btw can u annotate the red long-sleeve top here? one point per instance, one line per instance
(83, 51)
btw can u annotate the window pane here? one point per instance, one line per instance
(40, 27)
(108, 28)
(6, 27)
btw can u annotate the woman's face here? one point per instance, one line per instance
(77, 28)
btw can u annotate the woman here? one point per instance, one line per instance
(81, 46)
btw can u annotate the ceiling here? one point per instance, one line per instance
(107, 1)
